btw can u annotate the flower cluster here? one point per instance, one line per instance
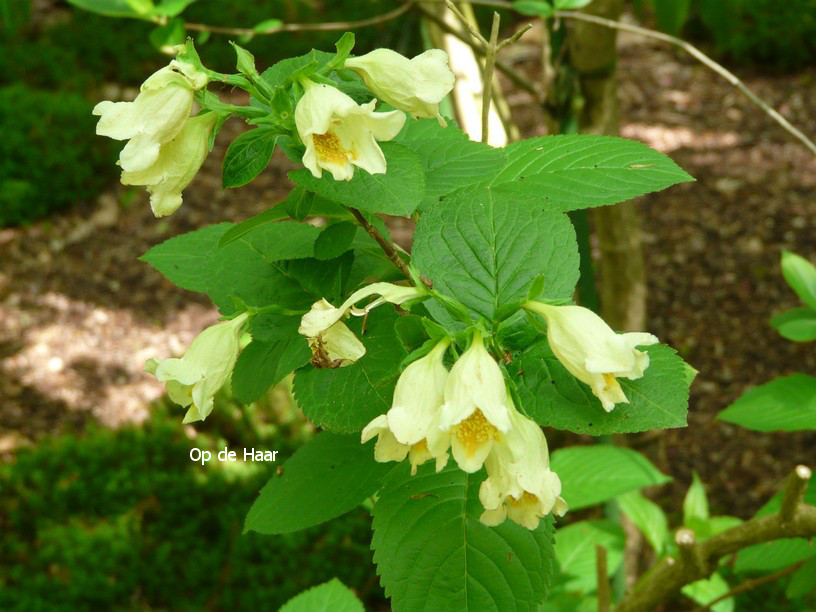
(165, 146)
(468, 412)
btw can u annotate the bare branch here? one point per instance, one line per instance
(696, 560)
(487, 76)
(794, 491)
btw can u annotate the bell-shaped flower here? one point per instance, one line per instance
(176, 166)
(475, 411)
(411, 426)
(592, 352)
(339, 134)
(335, 345)
(520, 485)
(323, 315)
(154, 118)
(194, 379)
(416, 86)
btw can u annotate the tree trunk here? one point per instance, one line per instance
(593, 55)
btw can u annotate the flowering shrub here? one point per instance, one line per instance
(452, 357)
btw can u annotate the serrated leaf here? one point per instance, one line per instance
(182, 259)
(331, 596)
(772, 556)
(797, 324)
(485, 246)
(648, 517)
(325, 478)
(695, 503)
(433, 553)
(346, 399)
(785, 404)
(283, 72)
(800, 274)
(247, 156)
(264, 364)
(594, 474)
(396, 192)
(707, 590)
(451, 163)
(554, 398)
(575, 549)
(335, 239)
(802, 583)
(580, 171)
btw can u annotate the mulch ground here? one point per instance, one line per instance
(79, 314)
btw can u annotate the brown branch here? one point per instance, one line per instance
(386, 246)
(794, 491)
(696, 560)
(602, 573)
(487, 76)
(306, 27)
(752, 583)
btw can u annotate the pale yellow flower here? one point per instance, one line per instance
(334, 344)
(411, 427)
(154, 118)
(592, 352)
(416, 86)
(520, 485)
(194, 379)
(475, 411)
(176, 166)
(339, 134)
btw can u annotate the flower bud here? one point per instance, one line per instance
(416, 86)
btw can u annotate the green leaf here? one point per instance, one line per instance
(109, 8)
(325, 478)
(182, 259)
(171, 8)
(533, 8)
(344, 46)
(671, 15)
(575, 549)
(695, 504)
(706, 528)
(485, 246)
(267, 25)
(396, 192)
(772, 556)
(646, 516)
(433, 553)
(568, 5)
(451, 162)
(247, 156)
(335, 240)
(264, 364)
(802, 583)
(346, 399)
(580, 171)
(785, 404)
(555, 398)
(331, 596)
(283, 72)
(298, 204)
(707, 590)
(594, 474)
(798, 324)
(801, 276)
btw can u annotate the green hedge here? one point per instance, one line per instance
(49, 153)
(125, 520)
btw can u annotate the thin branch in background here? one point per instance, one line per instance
(474, 31)
(602, 573)
(306, 27)
(487, 76)
(752, 583)
(702, 57)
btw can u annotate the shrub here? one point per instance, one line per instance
(49, 153)
(124, 519)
